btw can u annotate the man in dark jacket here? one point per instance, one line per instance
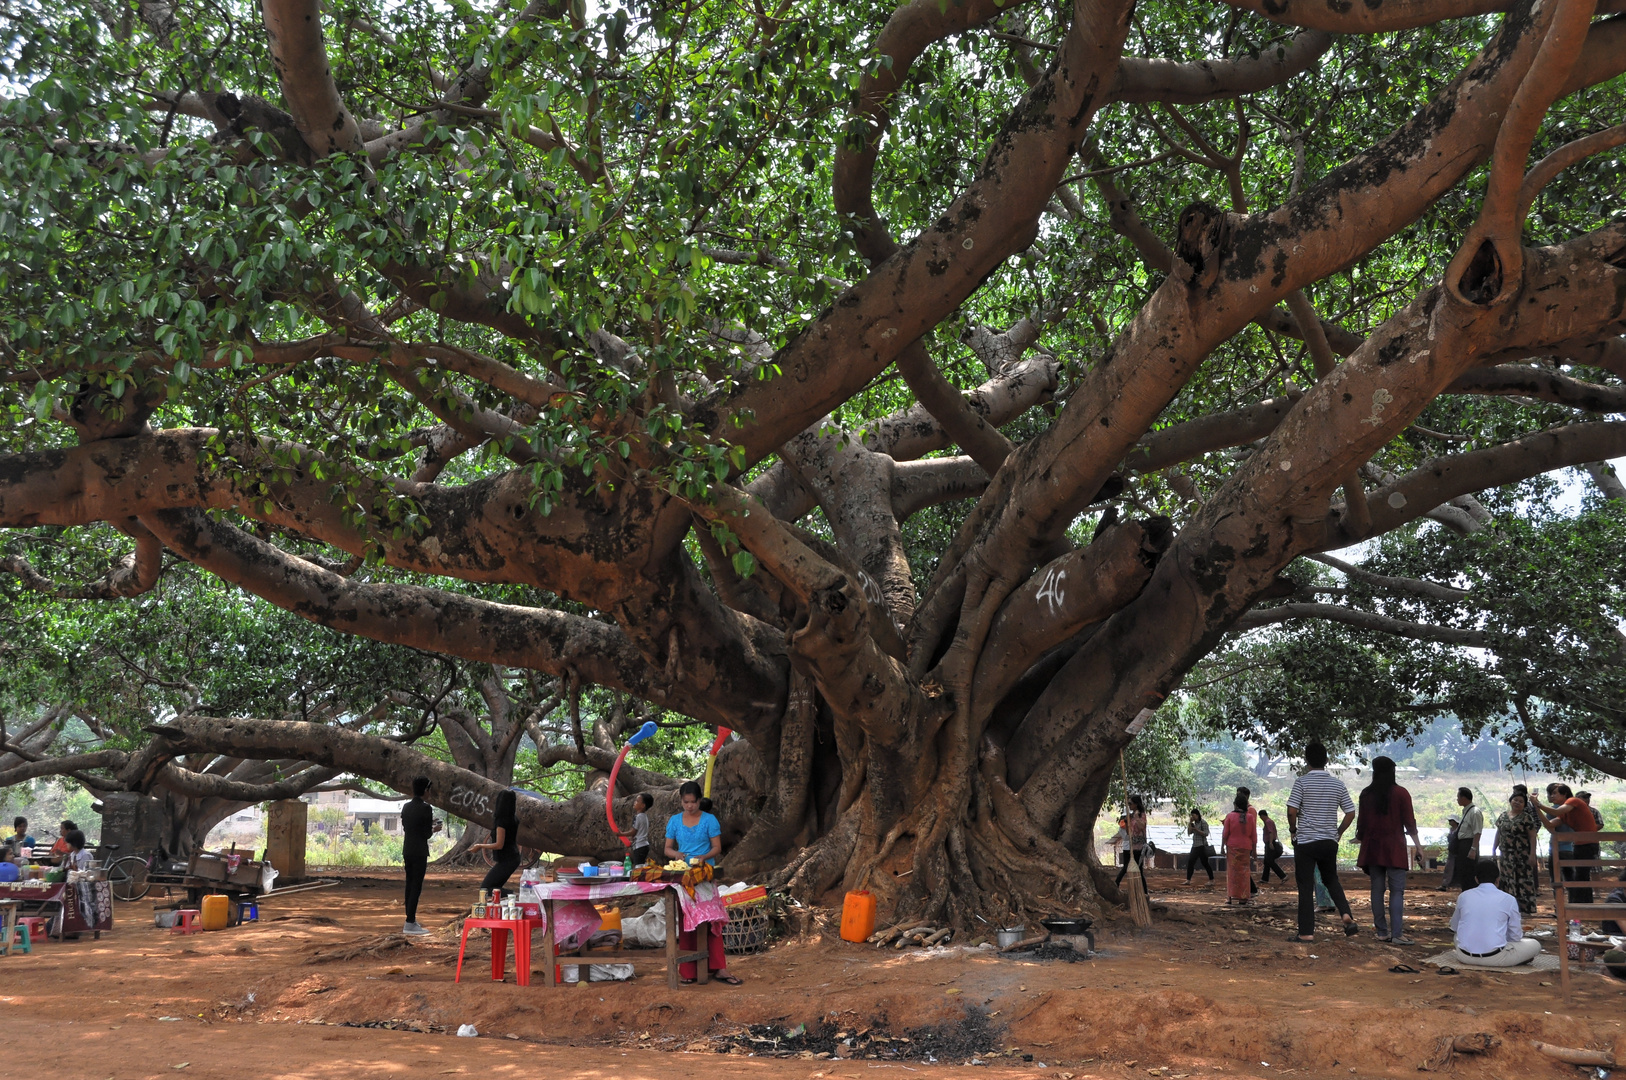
(418, 824)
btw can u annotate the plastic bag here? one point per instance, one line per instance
(647, 931)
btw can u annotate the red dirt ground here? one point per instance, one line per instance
(1208, 991)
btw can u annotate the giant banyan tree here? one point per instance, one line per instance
(918, 392)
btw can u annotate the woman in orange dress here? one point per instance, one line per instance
(1240, 837)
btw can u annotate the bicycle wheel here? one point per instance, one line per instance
(127, 878)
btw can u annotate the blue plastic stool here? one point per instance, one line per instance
(23, 940)
(249, 913)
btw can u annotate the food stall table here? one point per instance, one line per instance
(567, 912)
(80, 907)
(500, 929)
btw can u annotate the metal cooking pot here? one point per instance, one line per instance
(1010, 935)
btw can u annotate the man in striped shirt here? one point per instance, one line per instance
(1312, 819)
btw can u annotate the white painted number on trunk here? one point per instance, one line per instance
(872, 591)
(471, 801)
(1052, 589)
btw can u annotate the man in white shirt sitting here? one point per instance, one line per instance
(1487, 925)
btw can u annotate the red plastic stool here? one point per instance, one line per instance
(187, 921)
(39, 927)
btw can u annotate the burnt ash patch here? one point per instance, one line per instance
(973, 1036)
(1050, 950)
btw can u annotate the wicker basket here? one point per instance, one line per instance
(747, 928)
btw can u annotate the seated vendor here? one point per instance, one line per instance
(77, 858)
(691, 835)
(19, 841)
(1487, 924)
(62, 847)
(8, 865)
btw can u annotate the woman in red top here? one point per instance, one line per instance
(1383, 822)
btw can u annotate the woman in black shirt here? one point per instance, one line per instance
(504, 842)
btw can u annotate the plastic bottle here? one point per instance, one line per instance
(626, 865)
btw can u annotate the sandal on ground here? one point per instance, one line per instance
(1350, 929)
(1446, 969)
(1404, 941)
(1295, 939)
(731, 980)
(1385, 938)
(1404, 969)
(685, 982)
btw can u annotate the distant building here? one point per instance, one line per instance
(370, 814)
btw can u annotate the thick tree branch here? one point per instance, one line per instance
(294, 28)
(1553, 744)
(1175, 83)
(1523, 380)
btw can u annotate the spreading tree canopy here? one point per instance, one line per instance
(918, 391)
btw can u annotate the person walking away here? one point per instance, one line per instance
(1572, 815)
(504, 842)
(1383, 822)
(1136, 847)
(1314, 826)
(1486, 923)
(1197, 829)
(1239, 834)
(418, 824)
(1273, 846)
(1467, 843)
(1514, 850)
(695, 834)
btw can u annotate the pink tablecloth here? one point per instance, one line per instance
(577, 918)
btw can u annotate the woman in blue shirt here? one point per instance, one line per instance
(695, 834)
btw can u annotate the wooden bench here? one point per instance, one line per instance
(1565, 910)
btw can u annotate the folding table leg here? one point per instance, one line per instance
(499, 952)
(522, 954)
(460, 950)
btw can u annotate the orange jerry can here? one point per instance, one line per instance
(216, 911)
(858, 916)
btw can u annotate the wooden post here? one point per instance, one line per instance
(702, 944)
(547, 944)
(672, 917)
(285, 839)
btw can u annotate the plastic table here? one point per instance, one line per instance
(500, 929)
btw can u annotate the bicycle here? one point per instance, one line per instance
(128, 876)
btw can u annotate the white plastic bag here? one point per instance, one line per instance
(647, 931)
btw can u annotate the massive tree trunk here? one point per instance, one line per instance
(949, 746)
